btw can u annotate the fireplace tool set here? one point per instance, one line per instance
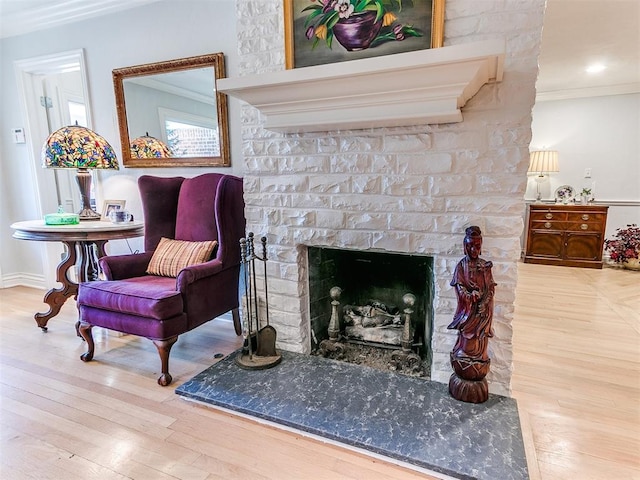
(259, 348)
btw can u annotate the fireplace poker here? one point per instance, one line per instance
(263, 240)
(247, 295)
(254, 286)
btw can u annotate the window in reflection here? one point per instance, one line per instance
(190, 135)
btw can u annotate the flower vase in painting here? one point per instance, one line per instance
(355, 24)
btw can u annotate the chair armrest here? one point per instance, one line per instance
(117, 267)
(194, 273)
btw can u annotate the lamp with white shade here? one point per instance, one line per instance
(542, 162)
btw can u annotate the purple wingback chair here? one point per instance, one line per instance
(206, 207)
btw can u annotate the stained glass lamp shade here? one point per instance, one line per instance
(83, 149)
(149, 147)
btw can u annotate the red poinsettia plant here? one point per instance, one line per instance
(625, 244)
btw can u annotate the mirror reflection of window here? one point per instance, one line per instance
(189, 140)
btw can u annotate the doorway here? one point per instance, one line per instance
(54, 93)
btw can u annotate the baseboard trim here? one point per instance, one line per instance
(23, 280)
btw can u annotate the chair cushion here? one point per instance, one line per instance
(171, 256)
(149, 296)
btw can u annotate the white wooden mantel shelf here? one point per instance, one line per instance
(414, 88)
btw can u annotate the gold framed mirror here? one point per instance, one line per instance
(171, 114)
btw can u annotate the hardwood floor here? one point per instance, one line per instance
(576, 378)
(577, 371)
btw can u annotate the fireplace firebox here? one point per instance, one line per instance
(371, 294)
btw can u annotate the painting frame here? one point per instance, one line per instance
(302, 50)
(110, 205)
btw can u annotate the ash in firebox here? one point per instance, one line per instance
(370, 356)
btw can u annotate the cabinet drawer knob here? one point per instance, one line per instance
(549, 216)
(585, 217)
(547, 225)
(584, 226)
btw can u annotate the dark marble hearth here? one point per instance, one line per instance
(407, 419)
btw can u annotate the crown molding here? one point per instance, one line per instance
(603, 91)
(43, 15)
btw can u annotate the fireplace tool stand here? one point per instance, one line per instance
(259, 348)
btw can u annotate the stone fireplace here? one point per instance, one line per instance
(404, 190)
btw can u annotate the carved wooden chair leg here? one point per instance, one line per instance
(84, 329)
(164, 348)
(237, 325)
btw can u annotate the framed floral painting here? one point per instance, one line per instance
(328, 31)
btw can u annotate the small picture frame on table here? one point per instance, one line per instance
(109, 206)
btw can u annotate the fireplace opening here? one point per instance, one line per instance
(370, 295)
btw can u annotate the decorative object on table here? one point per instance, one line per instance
(624, 247)
(585, 196)
(542, 162)
(83, 149)
(120, 216)
(147, 146)
(109, 206)
(358, 28)
(474, 285)
(61, 218)
(259, 348)
(565, 194)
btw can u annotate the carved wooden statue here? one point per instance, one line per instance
(475, 288)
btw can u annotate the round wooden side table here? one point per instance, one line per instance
(85, 244)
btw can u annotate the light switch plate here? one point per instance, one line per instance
(18, 135)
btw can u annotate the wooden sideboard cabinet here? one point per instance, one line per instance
(567, 235)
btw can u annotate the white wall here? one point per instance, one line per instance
(600, 133)
(156, 32)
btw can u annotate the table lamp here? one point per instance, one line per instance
(83, 149)
(147, 146)
(542, 162)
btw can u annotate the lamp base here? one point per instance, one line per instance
(539, 180)
(88, 214)
(84, 183)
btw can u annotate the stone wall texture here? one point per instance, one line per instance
(407, 189)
